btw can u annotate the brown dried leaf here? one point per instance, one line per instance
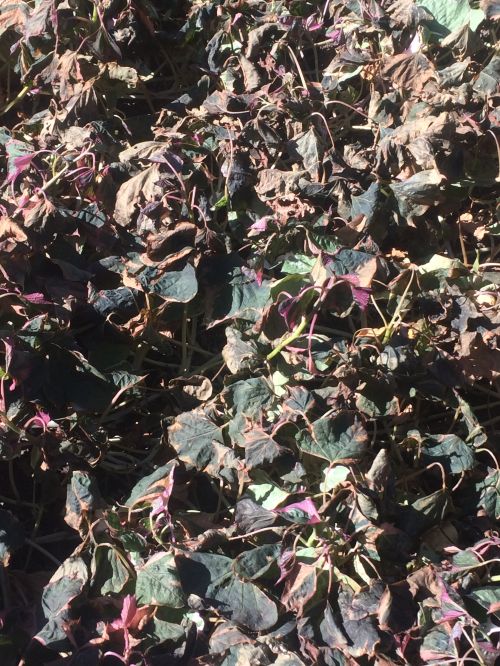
(409, 71)
(141, 187)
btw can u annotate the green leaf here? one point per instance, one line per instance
(376, 398)
(158, 582)
(239, 297)
(425, 512)
(335, 438)
(300, 264)
(264, 492)
(198, 442)
(151, 483)
(250, 396)
(333, 477)
(485, 597)
(253, 564)
(173, 286)
(449, 450)
(448, 15)
(82, 498)
(67, 584)
(110, 570)
(211, 578)
(166, 625)
(489, 490)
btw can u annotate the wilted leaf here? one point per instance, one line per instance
(139, 189)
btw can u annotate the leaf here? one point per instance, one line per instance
(489, 490)
(376, 398)
(82, 499)
(164, 626)
(308, 146)
(273, 183)
(362, 264)
(67, 584)
(210, 577)
(437, 645)
(255, 563)
(66, 587)
(300, 587)
(139, 188)
(158, 582)
(425, 512)
(238, 353)
(302, 513)
(152, 484)
(299, 264)
(19, 157)
(173, 286)
(334, 476)
(335, 438)
(260, 448)
(409, 71)
(250, 516)
(447, 15)
(372, 205)
(488, 599)
(198, 442)
(417, 193)
(110, 570)
(250, 396)
(264, 491)
(449, 450)
(243, 299)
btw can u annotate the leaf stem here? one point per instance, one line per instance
(297, 332)
(18, 98)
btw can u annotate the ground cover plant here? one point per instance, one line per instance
(249, 322)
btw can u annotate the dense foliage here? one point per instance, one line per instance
(249, 314)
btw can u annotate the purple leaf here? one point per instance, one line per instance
(304, 512)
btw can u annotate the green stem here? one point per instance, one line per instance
(18, 98)
(297, 332)
(396, 316)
